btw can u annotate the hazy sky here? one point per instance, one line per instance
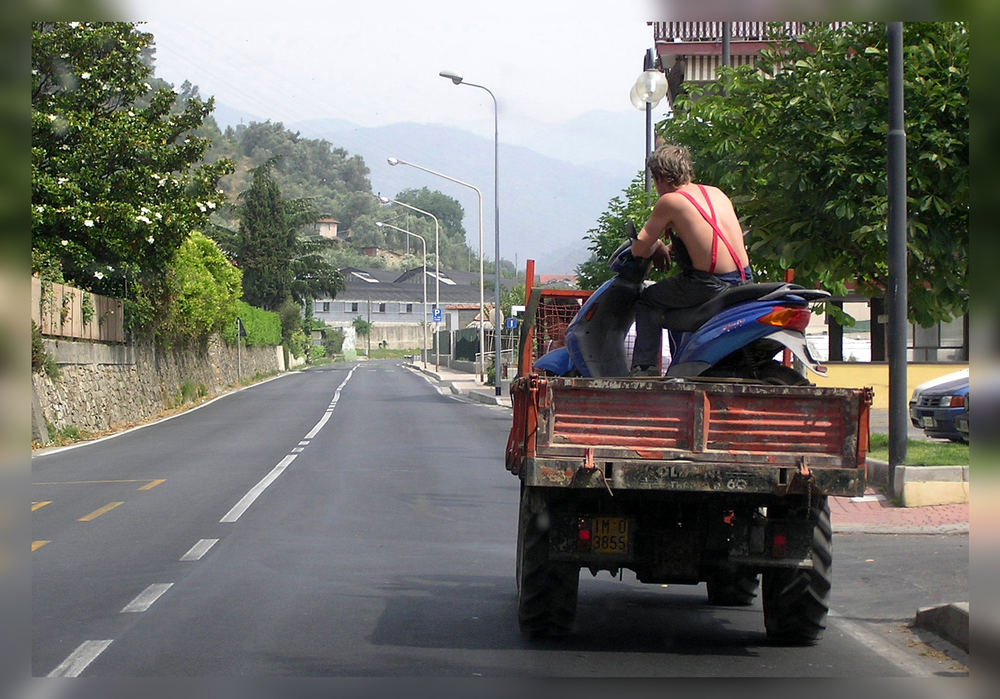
(377, 61)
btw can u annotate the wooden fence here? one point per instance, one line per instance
(64, 311)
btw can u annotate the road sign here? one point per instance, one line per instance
(437, 315)
(511, 323)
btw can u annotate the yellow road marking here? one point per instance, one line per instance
(35, 545)
(100, 511)
(40, 505)
(152, 484)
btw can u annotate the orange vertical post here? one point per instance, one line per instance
(786, 354)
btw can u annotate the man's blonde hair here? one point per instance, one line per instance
(671, 163)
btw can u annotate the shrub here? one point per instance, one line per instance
(263, 328)
(204, 288)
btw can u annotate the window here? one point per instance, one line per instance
(326, 306)
(381, 308)
(409, 308)
(354, 306)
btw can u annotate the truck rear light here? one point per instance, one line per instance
(583, 535)
(779, 545)
(793, 318)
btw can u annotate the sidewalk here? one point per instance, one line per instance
(871, 513)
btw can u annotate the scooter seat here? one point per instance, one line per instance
(690, 319)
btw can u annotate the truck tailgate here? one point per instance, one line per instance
(700, 435)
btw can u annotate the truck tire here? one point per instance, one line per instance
(796, 601)
(547, 590)
(734, 588)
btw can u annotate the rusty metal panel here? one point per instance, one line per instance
(701, 420)
(805, 424)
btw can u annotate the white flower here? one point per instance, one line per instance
(131, 113)
(211, 204)
(162, 181)
(150, 239)
(143, 219)
(62, 180)
(74, 25)
(99, 274)
(143, 210)
(40, 209)
(85, 75)
(52, 117)
(201, 206)
(159, 216)
(110, 268)
(64, 242)
(89, 223)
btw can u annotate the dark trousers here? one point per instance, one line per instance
(684, 290)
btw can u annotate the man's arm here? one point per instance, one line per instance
(648, 243)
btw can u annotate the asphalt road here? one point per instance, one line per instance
(353, 522)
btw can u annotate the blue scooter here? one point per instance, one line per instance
(735, 335)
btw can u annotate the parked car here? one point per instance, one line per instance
(935, 405)
(962, 421)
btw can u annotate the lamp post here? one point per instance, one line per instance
(482, 303)
(457, 79)
(437, 268)
(423, 242)
(649, 88)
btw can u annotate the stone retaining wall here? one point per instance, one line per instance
(109, 386)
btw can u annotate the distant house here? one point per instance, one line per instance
(327, 227)
(691, 52)
(393, 302)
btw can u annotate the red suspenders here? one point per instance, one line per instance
(716, 232)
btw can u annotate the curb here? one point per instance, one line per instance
(949, 621)
(918, 486)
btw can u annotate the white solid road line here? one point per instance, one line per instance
(79, 659)
(199, 550)
(147, 597)
(909, 665)
(247, 500)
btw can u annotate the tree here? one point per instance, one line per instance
(800, 144)
(117, 175)
(278, 264)
(635, 206)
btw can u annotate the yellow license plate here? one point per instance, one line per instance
(609, 535)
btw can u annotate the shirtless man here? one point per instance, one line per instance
(706, 242)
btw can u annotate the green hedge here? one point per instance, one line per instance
(263, 327)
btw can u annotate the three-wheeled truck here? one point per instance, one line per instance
(683, 481)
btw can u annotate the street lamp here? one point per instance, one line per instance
(437, 268)
(424, 244)
(649, 88)
(457, 79)
(482, 303)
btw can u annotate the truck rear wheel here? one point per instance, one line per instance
(736, 588)
(547, 590)
(796, 601)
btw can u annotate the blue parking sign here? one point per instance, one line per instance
(436, 315)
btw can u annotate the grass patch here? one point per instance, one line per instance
(67, 434)
(920, 452)
(379, 353)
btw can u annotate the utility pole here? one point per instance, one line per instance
(897, 291)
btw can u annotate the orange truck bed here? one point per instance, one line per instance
(707, 436)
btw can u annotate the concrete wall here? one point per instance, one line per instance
(876, 375)
(111, 386)
(397, 335)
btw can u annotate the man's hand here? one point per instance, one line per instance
(661, 256)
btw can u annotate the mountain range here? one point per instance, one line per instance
(555, 180)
